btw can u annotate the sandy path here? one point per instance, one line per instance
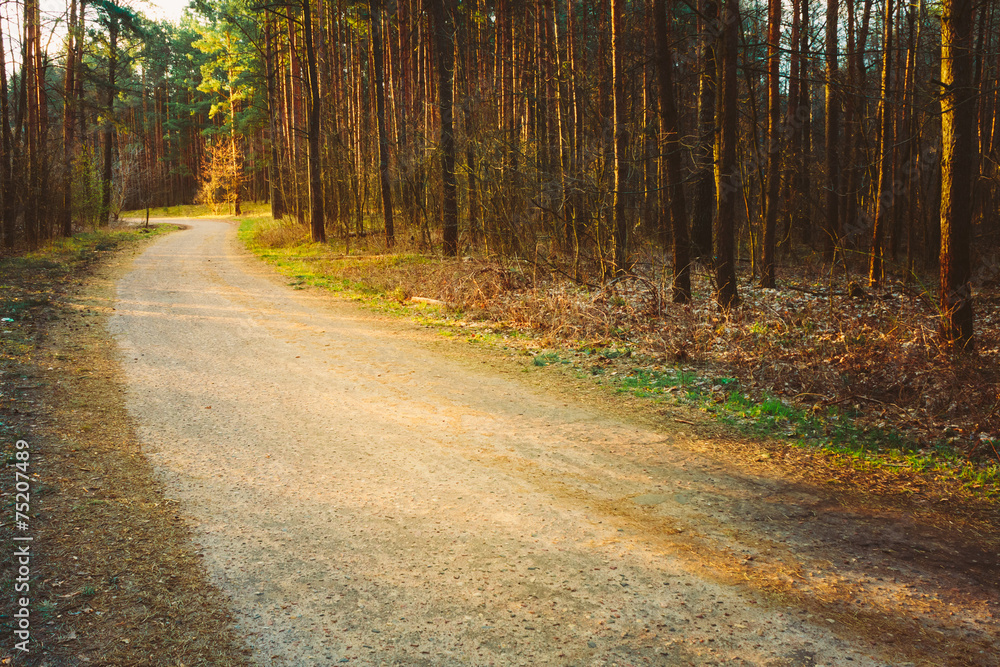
(364, 499)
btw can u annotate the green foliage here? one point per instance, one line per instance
(87, 188)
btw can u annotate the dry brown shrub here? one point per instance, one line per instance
(283, 235)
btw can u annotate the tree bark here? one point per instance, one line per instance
(108, 125)
(69, 122)
(772, 203)
(317, 222)
(883, 193)
(7, 144)
(620, 134)
(726, 170)
(276, 194)
(444, 47)
(832, 213)
(704, 189)
(378, 48)
(671, 149)
(958, 160)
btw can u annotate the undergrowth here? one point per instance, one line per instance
(860, 377)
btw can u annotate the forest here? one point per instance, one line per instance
(606, 139)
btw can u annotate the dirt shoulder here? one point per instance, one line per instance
(114, 577)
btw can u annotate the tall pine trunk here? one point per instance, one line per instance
(772, 202)
(444, 48)
(726, 170)
(69, 122)
(832, 213)
(276, 194)
(958, 160)
(883, 192)
(7, 220)
(378, 50)
(671, 149)
(317, 222)
(619, 132)
(704, 179)
(108, 125)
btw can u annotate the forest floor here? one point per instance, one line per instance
(790, 548)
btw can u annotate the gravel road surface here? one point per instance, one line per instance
(364, 498)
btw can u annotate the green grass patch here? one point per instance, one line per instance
(287, 247)
(833, 431)
(548, 358)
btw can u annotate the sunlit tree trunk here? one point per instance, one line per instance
(620, 135)
(958, 160)
(794, 121)
(832, 212)
(883, 193)
(108, 125)
(69, 122)
(273, 123)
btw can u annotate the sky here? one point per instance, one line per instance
(168, 9)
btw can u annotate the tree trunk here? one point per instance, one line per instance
(704, 189)
(378, 47)
(832, 212)
(317, 222)
(273, 123)
(444, 47)
(108, 125)
(772, 203)
(883, 193)
(7, 144)
(794, 119)
(620, 134)
(958, 160)
(671, 150)
(69, 122)
(727, 173)
(29, 97)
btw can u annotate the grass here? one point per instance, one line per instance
(833, 431)
(366, 277)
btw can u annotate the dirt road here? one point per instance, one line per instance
(364, 497)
